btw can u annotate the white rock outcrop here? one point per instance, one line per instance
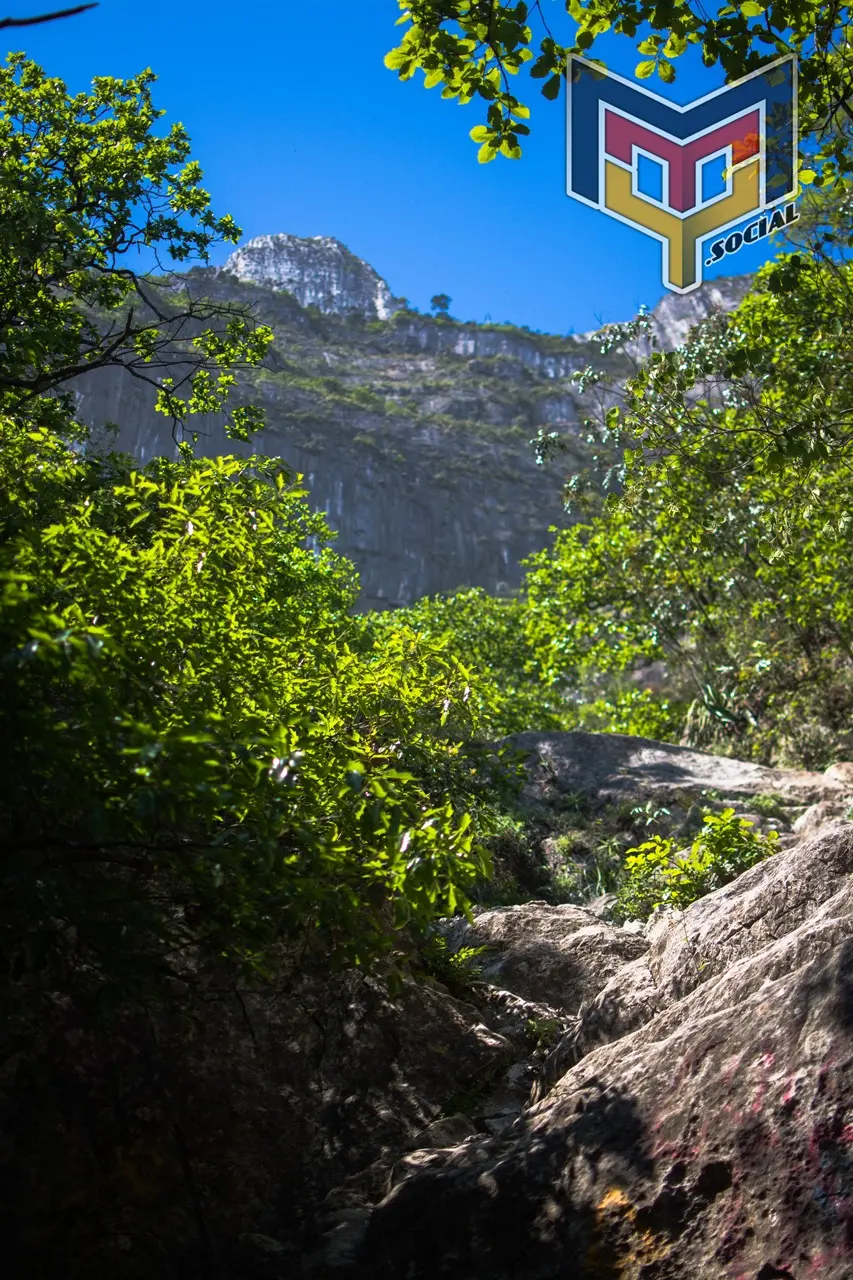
(318, 271)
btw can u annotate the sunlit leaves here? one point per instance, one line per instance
(85, 186)
(475, 50)
(189, 700)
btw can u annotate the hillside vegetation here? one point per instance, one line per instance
(209, 754)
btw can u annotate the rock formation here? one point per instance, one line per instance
(412, 432)
(317, 271)
(649, 1101)
(694, 1119)
(708, 1134)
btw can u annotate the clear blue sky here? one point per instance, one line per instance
(300, 128)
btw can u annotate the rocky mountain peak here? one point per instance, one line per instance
(676, 314)
(318, 271)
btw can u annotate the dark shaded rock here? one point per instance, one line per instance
(714, 1140)
(145, 1149)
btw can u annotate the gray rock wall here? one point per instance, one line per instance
(413, 433)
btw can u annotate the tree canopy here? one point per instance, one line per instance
(86, 184)
(204, 754)
(476, 48)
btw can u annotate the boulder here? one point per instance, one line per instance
(713, 1139)
(561, 955)
(608, 767)
(817, 815)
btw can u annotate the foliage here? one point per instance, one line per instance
(726, 847)
(85, 185)
(440, 302)
(455, 969)
(198, 753)
(487, 635)
(473, 50)
(586, 865)
(751, 616)
(767, 387)
(545, 1032)
(770, 805)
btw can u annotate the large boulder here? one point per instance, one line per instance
(561, 955)
(616, 766)
(715, 1139)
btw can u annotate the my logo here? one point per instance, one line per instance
(680, 174)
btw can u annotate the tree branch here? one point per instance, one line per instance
(46, 17)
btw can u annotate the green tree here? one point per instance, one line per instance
(198, 752)
(486, 634)
(85, 185)
(476, 49)
(440, 303)
(205, 758)
(703, 569)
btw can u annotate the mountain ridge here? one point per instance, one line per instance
(412, 431)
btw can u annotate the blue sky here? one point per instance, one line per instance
(300, 128)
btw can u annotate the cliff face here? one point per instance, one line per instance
(412, 432)
(318, 271)
(675, 315)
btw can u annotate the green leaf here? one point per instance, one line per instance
(644, 69)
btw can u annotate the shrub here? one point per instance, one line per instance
(656, 876)
(455, 969)
(199, 760)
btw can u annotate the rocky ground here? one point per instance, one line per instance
(695, 1114)
(643, 1101)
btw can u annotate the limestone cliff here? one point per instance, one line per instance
(412, 432)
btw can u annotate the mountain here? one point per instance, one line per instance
(412, 432)
(318, 272)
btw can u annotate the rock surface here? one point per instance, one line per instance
(557, 954)
(650, 1102)
(714, 1140)
(412, 432)
(318, 271)
(616, 766)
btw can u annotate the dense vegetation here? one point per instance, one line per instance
(208, 751)
(203, 756)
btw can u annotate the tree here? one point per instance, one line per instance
(205, 757)
(473, 49)
(85, 185)
(704, 569)
(440, 303)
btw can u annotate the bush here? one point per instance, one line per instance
(455, 969)
(726, 847)
(487, 635)
(200, 760)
